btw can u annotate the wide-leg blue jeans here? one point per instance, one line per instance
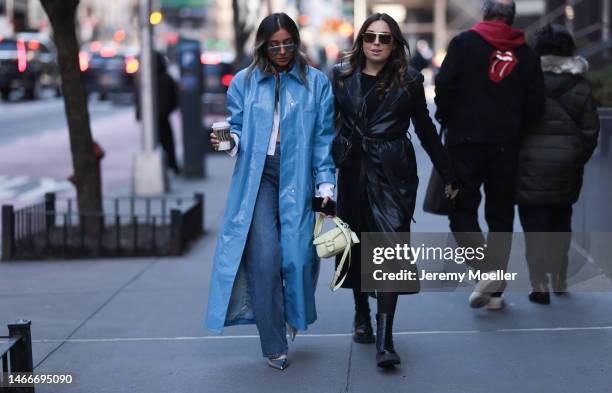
(263, 263)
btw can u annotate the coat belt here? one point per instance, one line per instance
(380, 137)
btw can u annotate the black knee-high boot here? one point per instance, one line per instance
(363, 333)
(385, 351)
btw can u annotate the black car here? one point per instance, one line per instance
(109, 71)
(29, 63)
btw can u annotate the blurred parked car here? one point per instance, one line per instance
(217, 74)
(108, 69)
(28, 62)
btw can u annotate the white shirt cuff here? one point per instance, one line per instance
(234, 151)
(325, 190)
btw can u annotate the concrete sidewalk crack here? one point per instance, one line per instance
(117, 292)
(348, 369)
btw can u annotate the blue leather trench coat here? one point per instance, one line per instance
(307, 129)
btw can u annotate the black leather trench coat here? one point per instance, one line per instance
(377, 191)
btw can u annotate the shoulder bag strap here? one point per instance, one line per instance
(337, 281)
(318, 224)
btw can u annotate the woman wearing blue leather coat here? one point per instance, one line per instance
(265, 267)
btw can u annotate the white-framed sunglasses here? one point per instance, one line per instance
(276, 49)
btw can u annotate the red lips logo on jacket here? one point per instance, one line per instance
(501, 65)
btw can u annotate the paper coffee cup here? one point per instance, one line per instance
(222, 131)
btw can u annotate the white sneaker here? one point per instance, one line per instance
(482, 292)
(496, 303)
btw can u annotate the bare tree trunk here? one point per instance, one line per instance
(62, 15)
(241, 30)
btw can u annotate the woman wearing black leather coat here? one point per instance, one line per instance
(377, 95)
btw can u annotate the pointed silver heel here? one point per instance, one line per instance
(280, 362)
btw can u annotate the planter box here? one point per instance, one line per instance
(129, 226)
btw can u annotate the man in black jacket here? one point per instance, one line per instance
(489, 89)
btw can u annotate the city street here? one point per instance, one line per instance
(117, 292)
(21, 119)
(35, 153)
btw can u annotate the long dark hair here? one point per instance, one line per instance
(268, 26)
(395, 67)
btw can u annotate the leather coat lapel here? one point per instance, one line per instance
(354, 91)
(352, 99)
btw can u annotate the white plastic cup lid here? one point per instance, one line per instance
(220, 125)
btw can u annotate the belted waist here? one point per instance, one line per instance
(380, 137)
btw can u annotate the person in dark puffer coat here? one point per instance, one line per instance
(552, 159)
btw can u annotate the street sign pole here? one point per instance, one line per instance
(149, 169)
(440, 25)
(605, 22)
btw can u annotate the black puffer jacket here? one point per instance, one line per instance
(553, 153)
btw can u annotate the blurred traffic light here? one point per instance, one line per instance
(156, 18)
(131, 65)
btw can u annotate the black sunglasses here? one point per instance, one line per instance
(383, 38)
(275, 50)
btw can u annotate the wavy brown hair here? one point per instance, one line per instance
(397, 64)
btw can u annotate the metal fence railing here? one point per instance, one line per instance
(128, 226)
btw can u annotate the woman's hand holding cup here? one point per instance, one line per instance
(220, 137)
(214, 141)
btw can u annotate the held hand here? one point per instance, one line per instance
(325, 201)
(214, 141)
(450, 192)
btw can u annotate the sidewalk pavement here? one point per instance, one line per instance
(136, 325)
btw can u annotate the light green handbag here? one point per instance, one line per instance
(333, 242)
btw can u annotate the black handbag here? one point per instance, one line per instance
(436, 201)
(341, 150)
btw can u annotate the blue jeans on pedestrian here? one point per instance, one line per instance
(263, 263)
